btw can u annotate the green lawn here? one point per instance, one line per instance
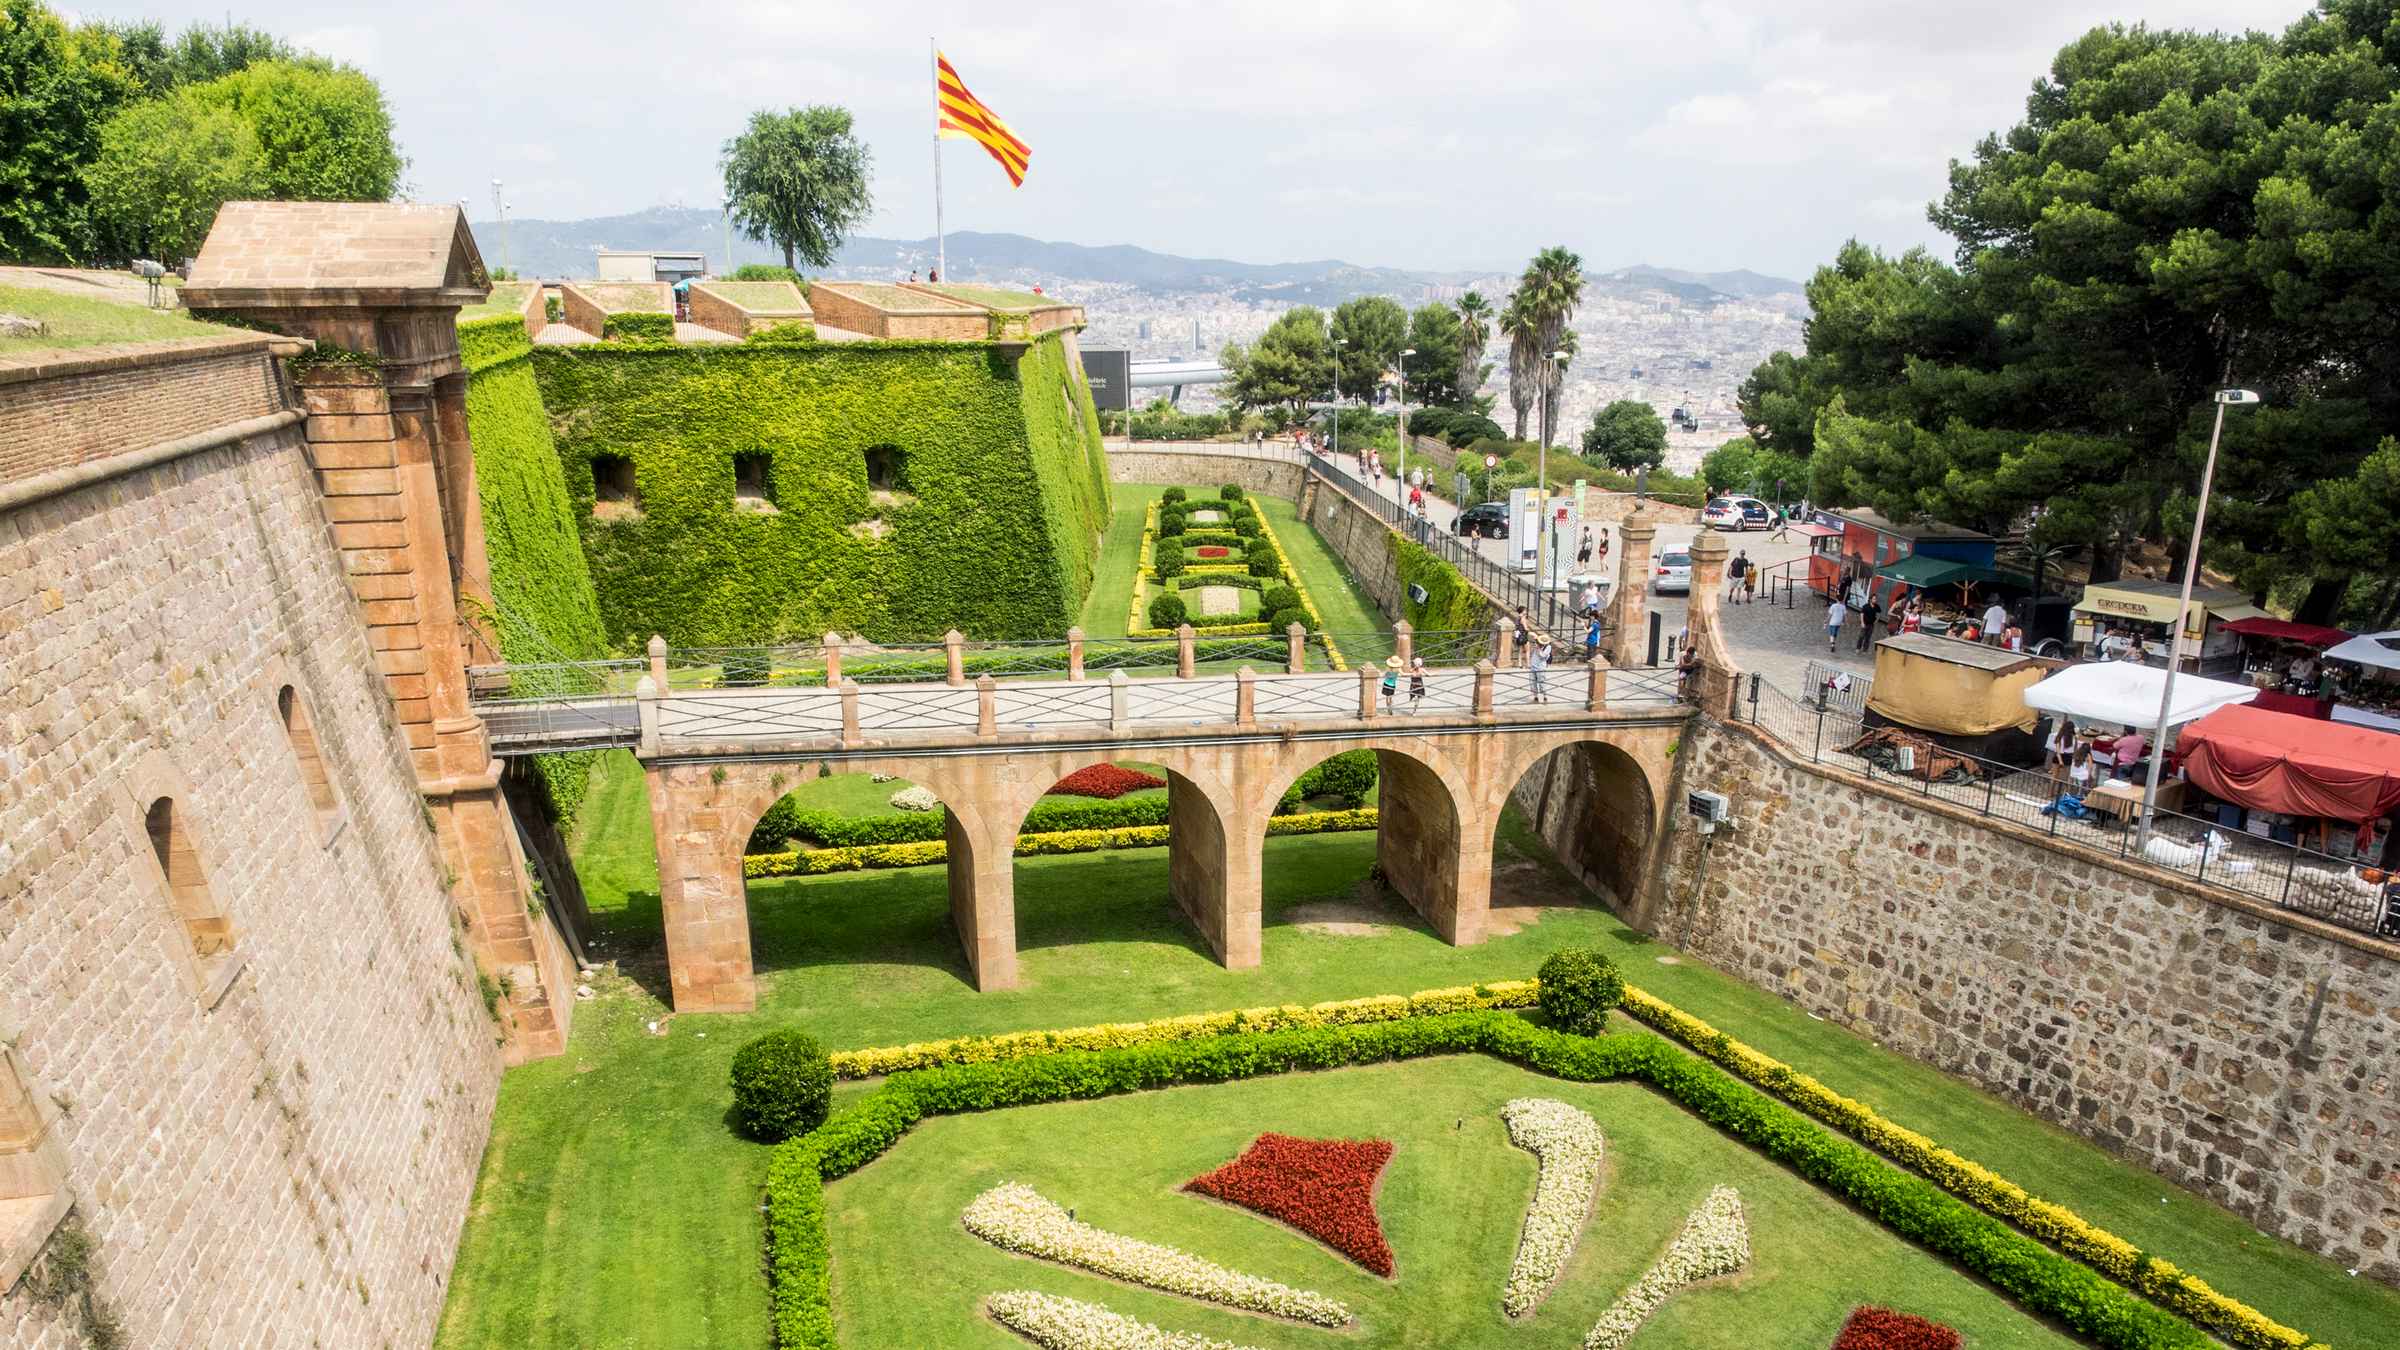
(616, 1208)
(906, 1273)
(80, 321)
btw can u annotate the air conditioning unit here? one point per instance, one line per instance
(1712, 807)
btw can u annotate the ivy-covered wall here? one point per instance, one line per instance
(998, 489)
(1451, 605)
(541, 590)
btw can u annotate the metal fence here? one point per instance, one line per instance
(1503, 583)
(1823, 724)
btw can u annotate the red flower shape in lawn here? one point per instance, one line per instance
(1106, 781)
(1873, 1328)
(1215, 551)
(1323, 1187)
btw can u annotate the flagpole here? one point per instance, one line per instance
(941, 245)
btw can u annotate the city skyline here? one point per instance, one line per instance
(1712, 138)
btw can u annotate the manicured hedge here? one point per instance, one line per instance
(994, 533)
(1349, 776)
(544, 606)
(2043, 1282)
(818, 861)
(2104, 1251)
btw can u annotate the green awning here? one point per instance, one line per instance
(1927, 573)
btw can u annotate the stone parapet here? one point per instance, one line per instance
(77, 406)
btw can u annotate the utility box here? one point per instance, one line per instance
(1710, 808)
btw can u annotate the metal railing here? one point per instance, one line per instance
(1511, 589)
(1822, 725)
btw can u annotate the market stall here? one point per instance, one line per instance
(1952, 592)
(2133, 621)
(2296, 768)
(2122, 694)
(2367, 680)
(1966, 696)
(1867, 541)
(2284, 656)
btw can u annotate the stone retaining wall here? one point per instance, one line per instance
(2173, 1027)
(269, 1117)
(1204, 465)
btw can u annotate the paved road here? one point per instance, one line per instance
(1776, 641)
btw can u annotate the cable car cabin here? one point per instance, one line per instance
(1863, 543)
(1963, 695)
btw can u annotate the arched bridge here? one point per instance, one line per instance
(1231, 743)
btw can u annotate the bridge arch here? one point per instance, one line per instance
(1600, 805)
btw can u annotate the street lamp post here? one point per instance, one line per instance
(1338, 344)
(1543, 544)
(1405, 353)
(2225, 398)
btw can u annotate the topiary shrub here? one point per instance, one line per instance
(1246, 528)
(1280, 621)
(1578, 987)
(1264, 565)
(1171, 496)
(1168, 564)
(1170, 524)
(1168, 610)
(1278, 597)
(1231, 492)
(782, 1085)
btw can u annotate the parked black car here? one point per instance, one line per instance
(1489, 520)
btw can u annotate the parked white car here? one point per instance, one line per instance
(1674, 574)
(1737, 513)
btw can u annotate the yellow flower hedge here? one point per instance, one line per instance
(809, 862)
(1193, 1026)
(2104, 1251)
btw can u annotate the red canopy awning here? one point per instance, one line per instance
(2314, 634)
(2271, 761)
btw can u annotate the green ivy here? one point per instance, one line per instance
(1451, 605)
(541, 590)
(638, 326)
(995, 533)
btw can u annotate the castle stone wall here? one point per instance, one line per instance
(272, 1141)
(2174, 1028)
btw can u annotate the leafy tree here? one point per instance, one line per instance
(1780, 402)
(798, 179)
(323, 132)
(1290, 364)
(1475, 319)
(1432, 374)
(1627, 434)
(201, 53)
(1373, 328)
(1523, 329)
(57, 87)
(1744, 465)
(763, 272)
(165, 166)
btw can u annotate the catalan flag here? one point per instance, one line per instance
(962, 115)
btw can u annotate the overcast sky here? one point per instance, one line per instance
(1458, 135)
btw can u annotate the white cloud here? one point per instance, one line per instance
(354, 44)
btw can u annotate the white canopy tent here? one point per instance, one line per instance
(2126, 693)
(2381, 650)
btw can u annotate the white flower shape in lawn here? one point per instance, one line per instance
(1714, 1241)
(1056, 1323)
(915, 799)
(1017, 1218)
(1567, 1143)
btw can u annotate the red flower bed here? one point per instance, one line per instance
(1323, 1187)
(1872, 1328)
(1215, 551)
(1106, 781)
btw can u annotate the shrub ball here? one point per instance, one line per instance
(1578, 987)
(1168, 564)
(1278, 597)
(1170, 525)
(1231, 492)
(1167, 611)
(782, 1085)
(1171, 495)
(1280, 621)
(1265, 566)
(1246, 527)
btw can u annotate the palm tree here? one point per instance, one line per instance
(1523, 330)
(1551, 289)
(1474, 334)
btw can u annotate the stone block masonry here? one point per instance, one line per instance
(2178, 1029)
(274, 1144)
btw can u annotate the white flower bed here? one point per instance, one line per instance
(1714, 1241)
(1016, 1218)
(1056, 1323)
(916, 799)
(1568, 1144)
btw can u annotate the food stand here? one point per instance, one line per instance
(2370, 689)
(1965, 696)
(1933, 578)
(2270, 646)
(2146, 609)
(1867, 542)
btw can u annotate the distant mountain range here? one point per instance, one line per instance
(564, 248)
